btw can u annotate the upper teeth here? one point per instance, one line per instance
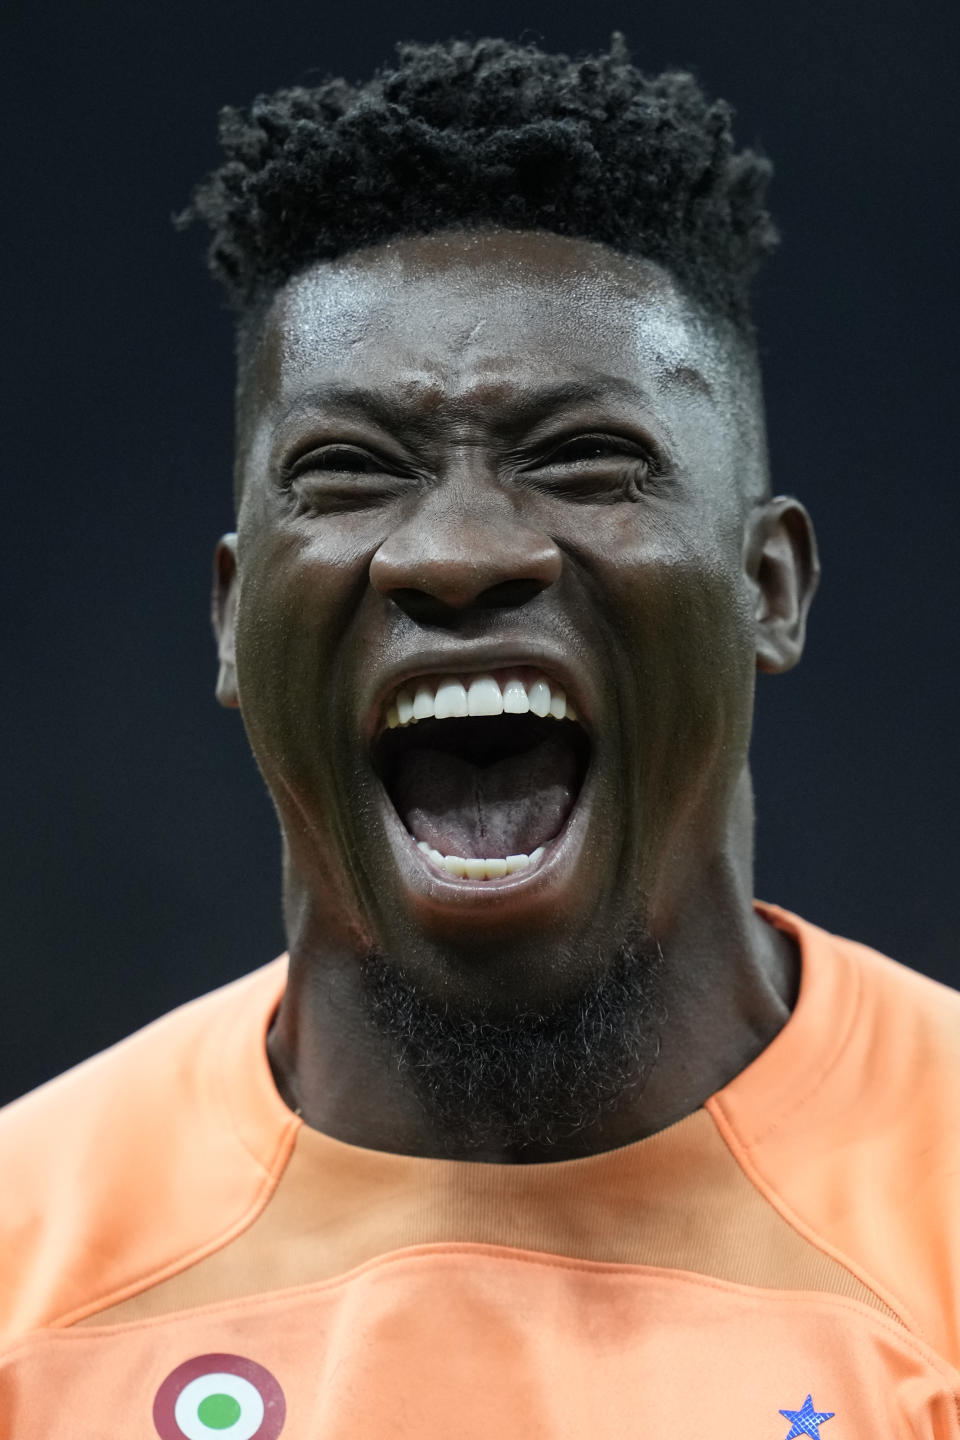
(448, 697)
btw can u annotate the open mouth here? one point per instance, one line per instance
(483, 770)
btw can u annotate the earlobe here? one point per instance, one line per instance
(224, 610)
(784, 566)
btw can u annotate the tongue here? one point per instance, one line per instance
(490, 811)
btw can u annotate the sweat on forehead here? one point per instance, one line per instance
(496, 322)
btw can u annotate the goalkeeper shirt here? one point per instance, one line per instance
(180, 1256)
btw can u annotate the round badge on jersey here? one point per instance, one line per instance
(224, 1396)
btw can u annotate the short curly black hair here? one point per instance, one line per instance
(471, 134)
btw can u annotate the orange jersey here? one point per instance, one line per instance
(180, 1256)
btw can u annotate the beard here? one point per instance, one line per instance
(485, 1076)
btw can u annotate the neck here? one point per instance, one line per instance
(729, 984)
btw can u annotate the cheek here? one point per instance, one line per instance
(682, 610)
(674, 583)
(302, 578)
(298, 593)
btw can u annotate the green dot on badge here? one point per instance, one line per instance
(218, 1412)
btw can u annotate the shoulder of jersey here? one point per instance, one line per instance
(896, 1158)
(859, 1138)
(117, 1164)
(887, 1058)
(912, 1024)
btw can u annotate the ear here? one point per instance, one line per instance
(783, 564)
(224, 612)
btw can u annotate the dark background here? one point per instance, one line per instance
(140, 858)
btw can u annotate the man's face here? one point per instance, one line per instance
(503, 471)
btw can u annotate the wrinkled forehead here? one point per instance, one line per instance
(452, 310)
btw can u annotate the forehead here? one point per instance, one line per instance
(437, 316)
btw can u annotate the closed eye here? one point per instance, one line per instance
(339, 459)
(592, 447)
(595, 469)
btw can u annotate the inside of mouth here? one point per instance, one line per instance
(484, 787)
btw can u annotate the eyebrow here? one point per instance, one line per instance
(520, 410)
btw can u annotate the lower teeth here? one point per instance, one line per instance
(476, 869)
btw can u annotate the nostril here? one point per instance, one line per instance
(443, 609)
(508, 593)
(426, 609)
(462, 564)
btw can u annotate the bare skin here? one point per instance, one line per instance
(651, 572)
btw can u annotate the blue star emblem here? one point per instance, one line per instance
(806, 1421)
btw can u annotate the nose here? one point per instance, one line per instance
(452, 554)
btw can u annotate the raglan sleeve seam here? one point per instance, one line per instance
(746, 1158)
(223, 1237)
